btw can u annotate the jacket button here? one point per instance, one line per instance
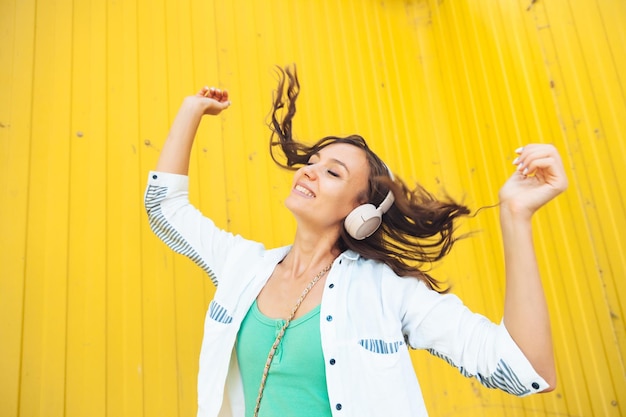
(332, 361)
(535, 385)
(154, 177)
(331, 286)
(329, 318)
(338, 407)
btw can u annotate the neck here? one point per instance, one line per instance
(310, 253)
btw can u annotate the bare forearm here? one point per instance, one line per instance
(174, 157)
(525, 309)
(176, 151)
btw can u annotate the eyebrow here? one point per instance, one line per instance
(334, 160)
(337, 161)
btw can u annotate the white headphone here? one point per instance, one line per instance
(365, 219)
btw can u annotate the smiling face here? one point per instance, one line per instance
(334, 182)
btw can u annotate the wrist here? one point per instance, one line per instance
(514, 212)
(195, 105)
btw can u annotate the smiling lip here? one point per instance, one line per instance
(303, 190)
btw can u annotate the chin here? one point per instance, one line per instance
(289, 203)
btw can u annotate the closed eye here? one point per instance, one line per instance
(333, 173)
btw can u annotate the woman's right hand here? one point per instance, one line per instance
(213, 100)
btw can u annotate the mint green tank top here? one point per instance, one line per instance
(296, 383)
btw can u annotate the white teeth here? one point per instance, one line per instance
(304, 191)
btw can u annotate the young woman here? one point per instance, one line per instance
(322, 327)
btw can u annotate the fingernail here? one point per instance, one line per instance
(516, 161)
(520, 166)
(525, 171)
(519, 150)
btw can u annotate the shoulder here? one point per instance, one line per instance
(369, 272)
(374, 290)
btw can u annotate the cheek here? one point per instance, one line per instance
(344, 203)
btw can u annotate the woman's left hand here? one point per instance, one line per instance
(538, 179)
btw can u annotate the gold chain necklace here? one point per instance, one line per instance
(281, 333)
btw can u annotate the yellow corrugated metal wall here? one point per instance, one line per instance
(98, 318)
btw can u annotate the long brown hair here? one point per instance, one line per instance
(418, 228)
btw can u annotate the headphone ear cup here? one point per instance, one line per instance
(363, 221)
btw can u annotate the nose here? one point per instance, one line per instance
(309, 171)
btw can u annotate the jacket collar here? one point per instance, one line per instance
(277, 254)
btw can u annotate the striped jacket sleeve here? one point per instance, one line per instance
(182, 227)
(470, 342)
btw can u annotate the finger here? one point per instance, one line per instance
(525, 151)
(225, 95)
(531, 152)
(527, 158)
(549, 170)
(531, 165)
(213, 93)
(207, 91)
(203, 91)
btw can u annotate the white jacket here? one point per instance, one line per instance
(368, 317)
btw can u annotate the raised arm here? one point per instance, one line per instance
(174, 157)
(172, 217)
(539, 178)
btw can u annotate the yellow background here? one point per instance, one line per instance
(99, 318)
